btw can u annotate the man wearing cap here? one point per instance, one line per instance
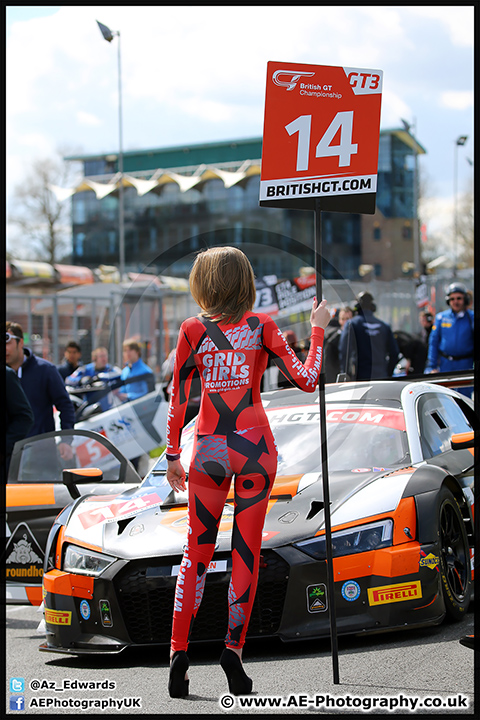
(367, 344)
(450, 345)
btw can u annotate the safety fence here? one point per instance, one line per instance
(106, 314)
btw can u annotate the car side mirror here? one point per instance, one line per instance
(462, 441)
(72, 478)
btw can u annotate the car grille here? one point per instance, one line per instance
(145, 592)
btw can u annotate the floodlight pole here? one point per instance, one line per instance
(460, 141)
(324, 454)
(108, 36)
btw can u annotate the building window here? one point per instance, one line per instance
(112, 241)
(377, 232)
(407, 231)
(79, 210)
(79, 240)
(377, 269)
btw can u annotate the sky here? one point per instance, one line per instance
(195, 74)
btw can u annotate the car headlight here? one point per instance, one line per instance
(354, 540)
(82, 561)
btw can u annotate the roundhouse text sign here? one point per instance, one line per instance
(320, 137)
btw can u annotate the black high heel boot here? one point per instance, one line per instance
(177, 685)
(238, 681)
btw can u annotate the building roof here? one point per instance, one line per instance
(181, 156)
(190, 166)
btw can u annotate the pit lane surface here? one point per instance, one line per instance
(419, 664)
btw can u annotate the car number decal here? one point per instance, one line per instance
(119, 508)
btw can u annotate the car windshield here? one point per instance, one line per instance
(363, 438)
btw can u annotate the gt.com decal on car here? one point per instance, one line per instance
(387, 417)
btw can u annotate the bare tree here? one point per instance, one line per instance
(465, 228)
(42, 218)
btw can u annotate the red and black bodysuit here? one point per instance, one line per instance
(232, 439)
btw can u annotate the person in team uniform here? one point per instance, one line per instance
(450, 345)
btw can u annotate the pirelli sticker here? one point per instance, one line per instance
(58, 617)
(394, 593)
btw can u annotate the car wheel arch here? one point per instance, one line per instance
(426, 491)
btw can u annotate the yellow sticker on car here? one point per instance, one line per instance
(58, 617)
(394, 593)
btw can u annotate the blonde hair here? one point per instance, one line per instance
(222, 283)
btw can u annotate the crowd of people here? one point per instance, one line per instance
(360, 346)
(35, 387)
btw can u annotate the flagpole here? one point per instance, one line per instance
(324, 455)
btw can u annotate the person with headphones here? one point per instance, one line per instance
(450, 345)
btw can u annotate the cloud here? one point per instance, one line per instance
(457, 99)
(457, 21)
(85, 118)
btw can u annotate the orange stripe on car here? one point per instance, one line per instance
(405, 519)
(29, 495)
(283, 485)
(34, 594)
(75, 541)
(63, 583)
(387, 562)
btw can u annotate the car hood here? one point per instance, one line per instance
(149, 521)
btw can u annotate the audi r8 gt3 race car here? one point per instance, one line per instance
(401, 520)
(35, 495)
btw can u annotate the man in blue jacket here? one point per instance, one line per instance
(450, 345)
(43, 385)
(367, 347)
(18, 414)
(134, 366)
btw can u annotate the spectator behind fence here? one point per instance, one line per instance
(450, 346)
(43, 386)
(72, 359)
(332, 340)
(19, 415)
(134, 366)
(89, 373)
(367, 347)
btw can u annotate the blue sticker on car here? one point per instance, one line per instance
(84, 609)
(351, 590)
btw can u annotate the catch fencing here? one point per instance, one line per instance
(105, 315)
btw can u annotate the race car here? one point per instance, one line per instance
(401, 508)
(35, 494)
